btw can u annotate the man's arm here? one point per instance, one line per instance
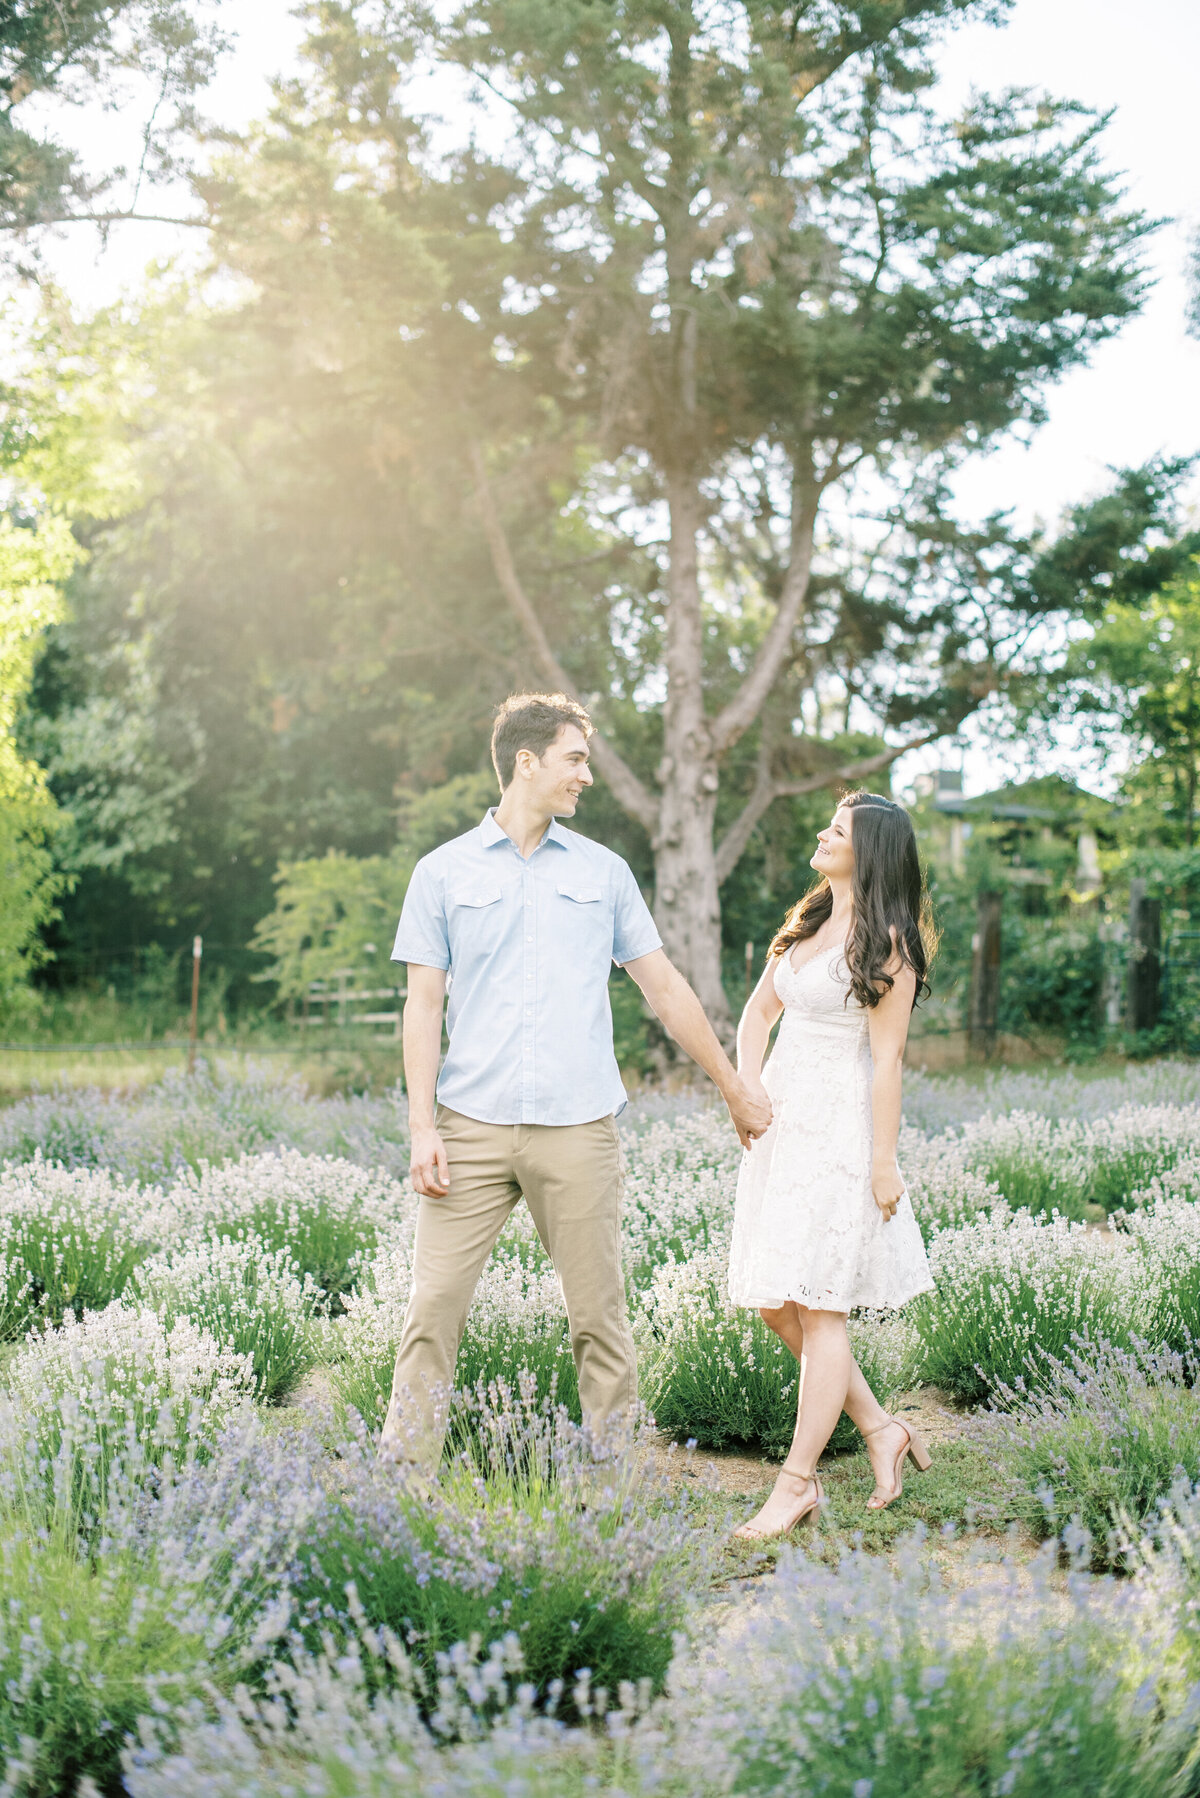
(428, 1168)
(682, 1016)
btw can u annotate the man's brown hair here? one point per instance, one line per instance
(532, 721)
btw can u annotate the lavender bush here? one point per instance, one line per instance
(552, 1541)
(1013, 1290)
(347, 1725)
(211, 1117)
(861, 1682)
(1167, 1234)
(326, 1214)
(517, 1325)
(939, 1101)
(81, 1395)
(70, 1240)
(1098, 1442)
(171, 1587)
(718, 1375)
(250, 1298)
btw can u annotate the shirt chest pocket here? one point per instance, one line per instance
(585, 915)
(475, 917)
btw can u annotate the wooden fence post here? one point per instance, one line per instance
(1144, 976)
(983, 1002)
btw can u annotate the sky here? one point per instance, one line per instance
(1138, 396)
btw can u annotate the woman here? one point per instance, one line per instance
(823, 1221)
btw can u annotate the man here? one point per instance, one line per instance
(527, 919)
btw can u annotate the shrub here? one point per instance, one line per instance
(935, 1102)
(680, 1181)
(327, 1727)
(89, 1390)
(517, 1324)
(70, 1240)
(1012, 1291)
(1037, 1163)
(1166, 1561)
(210, 1117)
(250, 1298)
(1100, 1441)
(325, 1214)
(946, 1190)
(176, 1588)
(858, 1682)
(717, 1374)
(1167, 1234)
(1137, 1145)
(600, 1584)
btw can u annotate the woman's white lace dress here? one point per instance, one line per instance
(806, 1225)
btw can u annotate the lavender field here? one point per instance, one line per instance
(213, 1587)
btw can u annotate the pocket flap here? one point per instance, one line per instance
(477, 896)
(581, 895)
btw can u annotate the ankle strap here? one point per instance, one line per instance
(883, 1426)
(793, 1474)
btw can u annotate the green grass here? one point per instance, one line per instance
(948, 1496)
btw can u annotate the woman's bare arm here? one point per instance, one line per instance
(758, 1018)
(888, 1024)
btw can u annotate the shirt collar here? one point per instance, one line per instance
(490, 832)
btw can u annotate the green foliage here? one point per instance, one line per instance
(1100, 1442)
(33, 563)
(545, 1537)
(83, 1645)
(337, 640)
(1136, 674)
(249, 1298)
(719, 1376)
(331, 914)
(81, 50)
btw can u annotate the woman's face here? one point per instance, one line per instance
(834, 856)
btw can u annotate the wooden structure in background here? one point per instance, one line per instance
(983, 1001)
(1143, 988)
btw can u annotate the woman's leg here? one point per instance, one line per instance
(861, 1405)
(825, 1365)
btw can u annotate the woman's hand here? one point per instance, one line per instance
(888, 1188)
(749, 1107)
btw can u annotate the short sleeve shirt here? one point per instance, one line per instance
(529, 945)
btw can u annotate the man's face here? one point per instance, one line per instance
(560, 774)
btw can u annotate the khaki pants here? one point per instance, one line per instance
(571, 1179)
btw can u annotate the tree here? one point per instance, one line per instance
(767, 269)
(35, 558)
(681, 368)
(1135, 680)
(69, 50)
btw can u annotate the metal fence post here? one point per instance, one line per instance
(193, 1022)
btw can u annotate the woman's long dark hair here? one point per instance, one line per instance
(889, 895)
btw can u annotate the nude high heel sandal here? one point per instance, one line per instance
(748, 1533)
(914, 1450)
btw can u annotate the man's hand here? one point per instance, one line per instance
(428, 1168)
(749, 1107)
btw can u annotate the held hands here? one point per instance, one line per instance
(750, 1109)
(888, 1188)
(428, 1168)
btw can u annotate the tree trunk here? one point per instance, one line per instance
(687, 905)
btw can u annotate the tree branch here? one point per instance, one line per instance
(101, 218)
(629, 791)
(766, 790)
(736, 718)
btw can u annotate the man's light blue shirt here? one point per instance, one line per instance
(529, 946)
